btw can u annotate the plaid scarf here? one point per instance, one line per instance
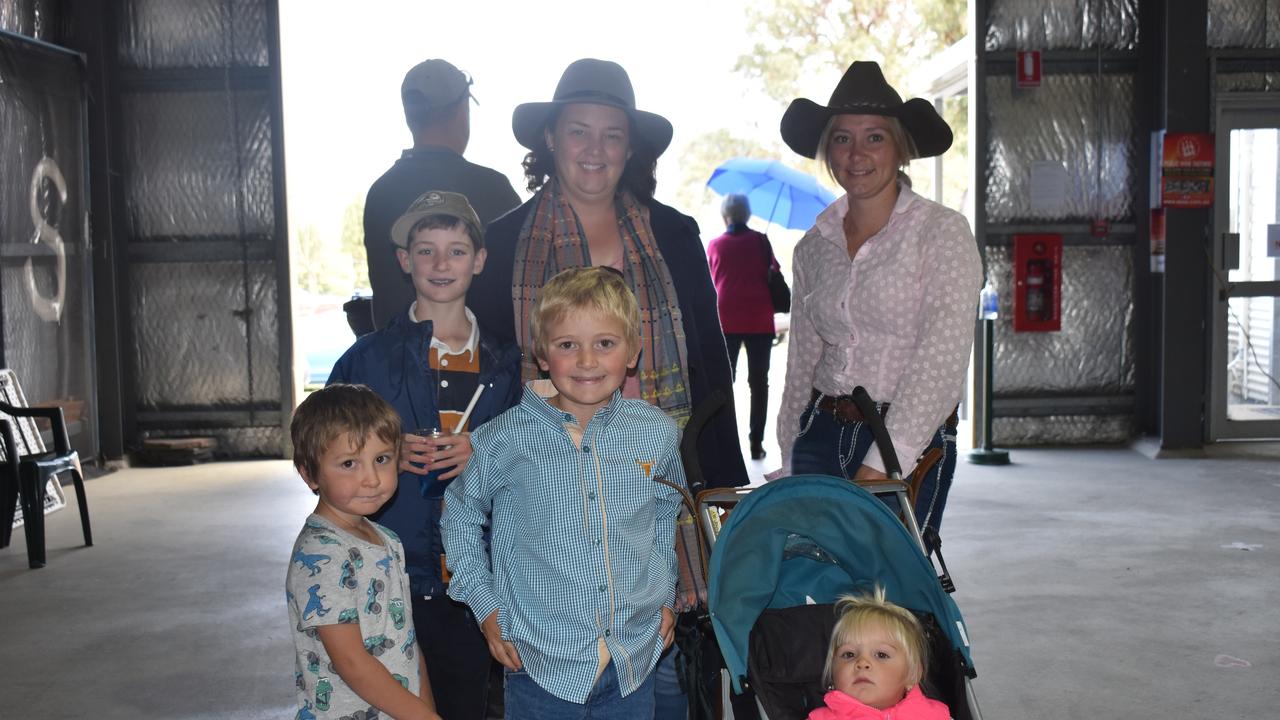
(552, 240)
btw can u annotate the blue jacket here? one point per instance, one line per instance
(719, 452)
(393, 361)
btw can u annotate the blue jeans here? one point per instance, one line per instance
(526, 700)
(670, 702)
(827, 446)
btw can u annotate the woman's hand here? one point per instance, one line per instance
(501, 650)
(450, 451)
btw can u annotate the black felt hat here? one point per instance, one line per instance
(864, 91)
(599, 82)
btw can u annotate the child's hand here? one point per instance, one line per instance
(501, 650)
(414, 454)
(667, 629)
(450, 451)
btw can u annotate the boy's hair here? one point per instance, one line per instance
(445, 222)
(856, 612)
(602, 289)
(340, 411)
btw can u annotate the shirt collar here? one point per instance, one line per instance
(830, 222)
(538, 392)
(472, 340)
(737, 228)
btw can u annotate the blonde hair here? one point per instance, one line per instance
(905, 144)
(854, 613)
(352, 412)
(601, 289)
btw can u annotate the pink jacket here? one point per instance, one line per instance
(915, 706)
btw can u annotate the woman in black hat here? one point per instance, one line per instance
(591, 162)
(886, 285)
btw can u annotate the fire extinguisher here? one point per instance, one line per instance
(1036, 290)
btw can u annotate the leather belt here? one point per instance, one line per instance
(842, 407)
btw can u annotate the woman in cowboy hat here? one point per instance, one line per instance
(886, 283)
(591, 162)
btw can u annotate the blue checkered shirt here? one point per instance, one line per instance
(583, 541)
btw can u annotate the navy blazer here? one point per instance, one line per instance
(719, 452)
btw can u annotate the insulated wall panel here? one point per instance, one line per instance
(241, 442)
(1243, 24)
(1082, 122)
(197, 334)
(1061, 430)
(200, 164)
(193, 33)
(1247, 82)
(1061, 24)
(1093, 352)
(34, 18)
(46, 290)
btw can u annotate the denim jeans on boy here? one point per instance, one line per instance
(827, 446)
(670, 702)
(526, 700)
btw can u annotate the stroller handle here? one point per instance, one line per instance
(871, 416)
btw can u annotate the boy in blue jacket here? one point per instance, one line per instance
(428, 362)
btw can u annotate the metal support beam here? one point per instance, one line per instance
(1184, 378)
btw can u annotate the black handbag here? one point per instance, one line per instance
(779, 292)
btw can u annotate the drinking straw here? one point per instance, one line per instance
(466, 414)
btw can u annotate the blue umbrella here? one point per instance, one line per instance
(779, 194)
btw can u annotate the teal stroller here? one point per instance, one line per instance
(786, 553)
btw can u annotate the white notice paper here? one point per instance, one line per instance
(1048, 187)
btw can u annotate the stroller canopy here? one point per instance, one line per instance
(813, 538)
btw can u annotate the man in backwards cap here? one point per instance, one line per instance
(436, 99)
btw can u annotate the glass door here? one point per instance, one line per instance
(1245, 398)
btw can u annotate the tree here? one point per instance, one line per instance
(801, 39)
(351, 243)
(319, 269)
(797, 38)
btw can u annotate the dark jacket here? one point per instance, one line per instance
(417, 171)
(393, 361)
(719, 454)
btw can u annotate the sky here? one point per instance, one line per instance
(342, 71)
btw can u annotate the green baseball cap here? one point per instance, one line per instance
(437, 202)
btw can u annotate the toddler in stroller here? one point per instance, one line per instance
(875, 663)
(791, 549)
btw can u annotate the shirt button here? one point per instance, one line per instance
(445, 361)
(586, 448)
(603, 587)
(608, 632)
(591, 495)
(597, 541)
(444, 383)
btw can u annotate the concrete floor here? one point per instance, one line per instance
(1095, 583)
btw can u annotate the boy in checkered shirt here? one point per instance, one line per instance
(576, 591)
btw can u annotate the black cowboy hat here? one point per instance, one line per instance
(864, 91)
(593, 81)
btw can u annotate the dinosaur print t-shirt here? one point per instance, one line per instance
(335, 577)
